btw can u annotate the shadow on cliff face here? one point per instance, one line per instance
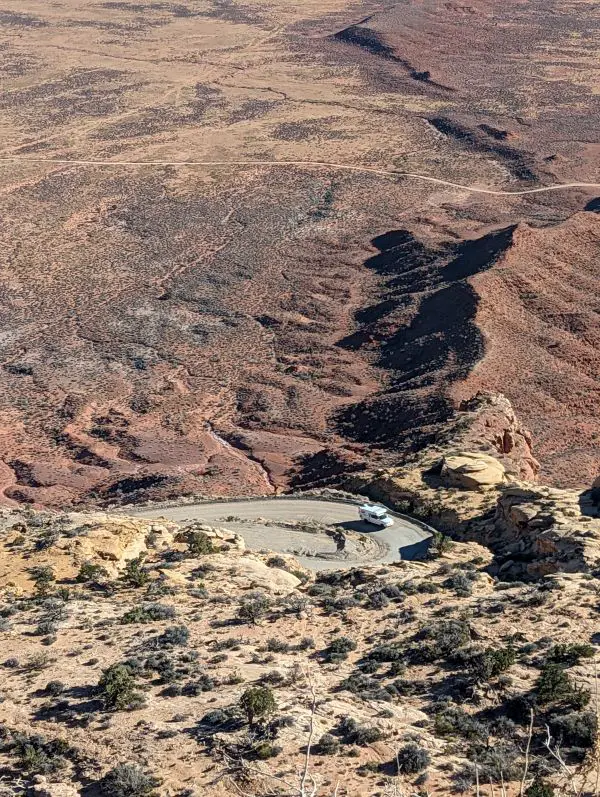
(425, 335)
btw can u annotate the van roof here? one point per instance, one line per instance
(374, 509)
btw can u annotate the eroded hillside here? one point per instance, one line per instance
(226, 330)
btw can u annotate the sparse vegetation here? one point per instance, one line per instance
(257, 703)
(128, 780)
(118, 688)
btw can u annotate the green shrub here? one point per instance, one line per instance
(253, 606)
(276, 561)
(173, 636)
(264, 750)
(91, 572)
(412, 759)
(385, 653)
(128, 780)
(135, 575)
(570, 654)
(327, 745)
(257, 702)
(199, 543)
(117, 688)
(485, 664)
(455, 721)
(353, 732)
(43, 577)
(37, 755)
(555, 685)
(275, 645)
(540, 788)
(148, 613)
(440, 639)
(440, 544)
(576, 729)
(338, 649)
(55, 688)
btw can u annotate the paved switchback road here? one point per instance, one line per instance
(403, 540)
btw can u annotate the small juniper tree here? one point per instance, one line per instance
(257, 702)
(135, 574)
(43, 578)
(118, 688)
(253, 606)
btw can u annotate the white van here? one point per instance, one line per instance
(377, 515)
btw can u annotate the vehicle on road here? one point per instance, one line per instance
(376, 515)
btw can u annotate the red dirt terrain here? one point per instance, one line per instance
(167, 331)
(538, 310)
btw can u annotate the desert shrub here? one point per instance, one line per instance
(378, 600)
(461, 583)
(484, 664)
(216, 717)
(128, 780)
(148, 613)
(275, 645)
(204, 683)
(440, 639)
(264, 750)
(174, 636)
(257, 702)
(353, 732)
(412, 759)
(440, 544)
(37, 755)
(338, 649)
(569, 654)
(230, 643)
(276, 561)
(253, 606)
(91, 572)
(273, 677)
(306, 643)
(365, 687)
(135, 574)
(385, 653)
(576, 729)
(327, 745)
(199, 543)
(321, 590)
(497, 763)
(117, 688)
(55, 688)
(454, 721)
(43, 578)
(339, 605)
(555, 685)
(46, 626)
(540, 788)
(369, 667)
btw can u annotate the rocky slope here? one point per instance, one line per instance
(478, 481)
(538, 310)
(130, 680)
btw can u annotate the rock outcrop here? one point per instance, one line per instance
(540, 530)
(477, 484)
(472, 471)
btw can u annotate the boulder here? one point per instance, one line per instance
(472, 471)
(246, 572)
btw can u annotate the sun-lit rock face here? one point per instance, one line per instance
(472, 471)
